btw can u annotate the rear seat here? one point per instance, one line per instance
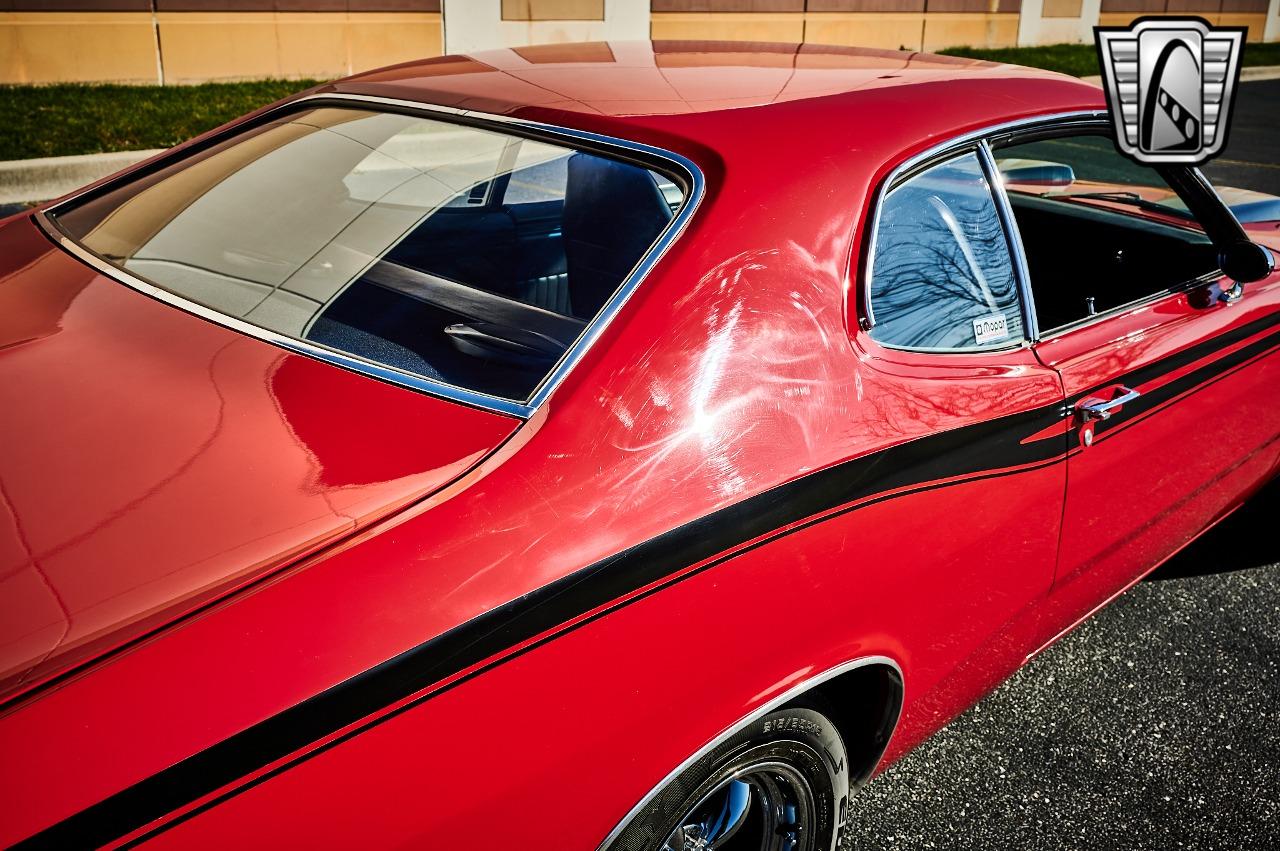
(550, 292)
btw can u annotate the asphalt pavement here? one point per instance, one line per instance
(1251, 159)
(1154, 726)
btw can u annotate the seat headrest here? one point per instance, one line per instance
(613, 212)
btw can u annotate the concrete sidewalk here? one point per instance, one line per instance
(26, 181)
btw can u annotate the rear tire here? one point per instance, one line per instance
(779, 784)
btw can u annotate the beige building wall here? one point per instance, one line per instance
(202, 46)
(196, 47)
(972, 29)
(472, 25)
(1255, 21)
(912, 30)
(888, 30)
(125, 41)
(1057, 21)
(729, 26)
(938, 24)
(61, 47)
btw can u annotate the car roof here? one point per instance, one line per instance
(703, 90)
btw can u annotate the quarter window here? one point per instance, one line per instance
(942, 275)
(462, 255)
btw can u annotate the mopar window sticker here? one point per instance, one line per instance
(990, 329)
(1169, 84)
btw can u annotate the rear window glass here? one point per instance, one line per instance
(457, 254)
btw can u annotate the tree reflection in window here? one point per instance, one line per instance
(942, 262)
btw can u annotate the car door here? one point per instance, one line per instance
(950, 372)
(1171, 375)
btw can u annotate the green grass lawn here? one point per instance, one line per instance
(1081, 60)
(50, 121)
(53, 121)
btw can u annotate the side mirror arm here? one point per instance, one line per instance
(1240, 259)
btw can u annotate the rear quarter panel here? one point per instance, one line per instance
(732, 374)
(552, 748)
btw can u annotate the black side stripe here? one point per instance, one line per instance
(979, 451)
(1164, 366)
(1195, 380)
(974, 449)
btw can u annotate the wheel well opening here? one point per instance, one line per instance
(863, 704)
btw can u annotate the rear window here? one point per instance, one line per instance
(453, 253)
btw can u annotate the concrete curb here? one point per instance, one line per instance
(23, 181)
(1247, 75)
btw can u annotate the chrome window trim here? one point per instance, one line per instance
(994, 349)
(952, 154)
(1030, 323)
(973, 139)
(758, 713)
(681, 167)
(1129, 307)
(302, 347)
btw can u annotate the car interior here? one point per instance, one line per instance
(491, 295)
(459, 254)
(1095, 239)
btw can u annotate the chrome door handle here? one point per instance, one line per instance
(1102, 410)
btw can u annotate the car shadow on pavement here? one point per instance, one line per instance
(1247, 539)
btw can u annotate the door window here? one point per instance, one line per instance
(1100, 231)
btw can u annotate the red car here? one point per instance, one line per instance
(619, 446)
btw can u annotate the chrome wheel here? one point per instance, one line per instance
(764, 807)
(777, 783)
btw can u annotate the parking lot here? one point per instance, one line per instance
(1156, 725)
(1252, 157)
